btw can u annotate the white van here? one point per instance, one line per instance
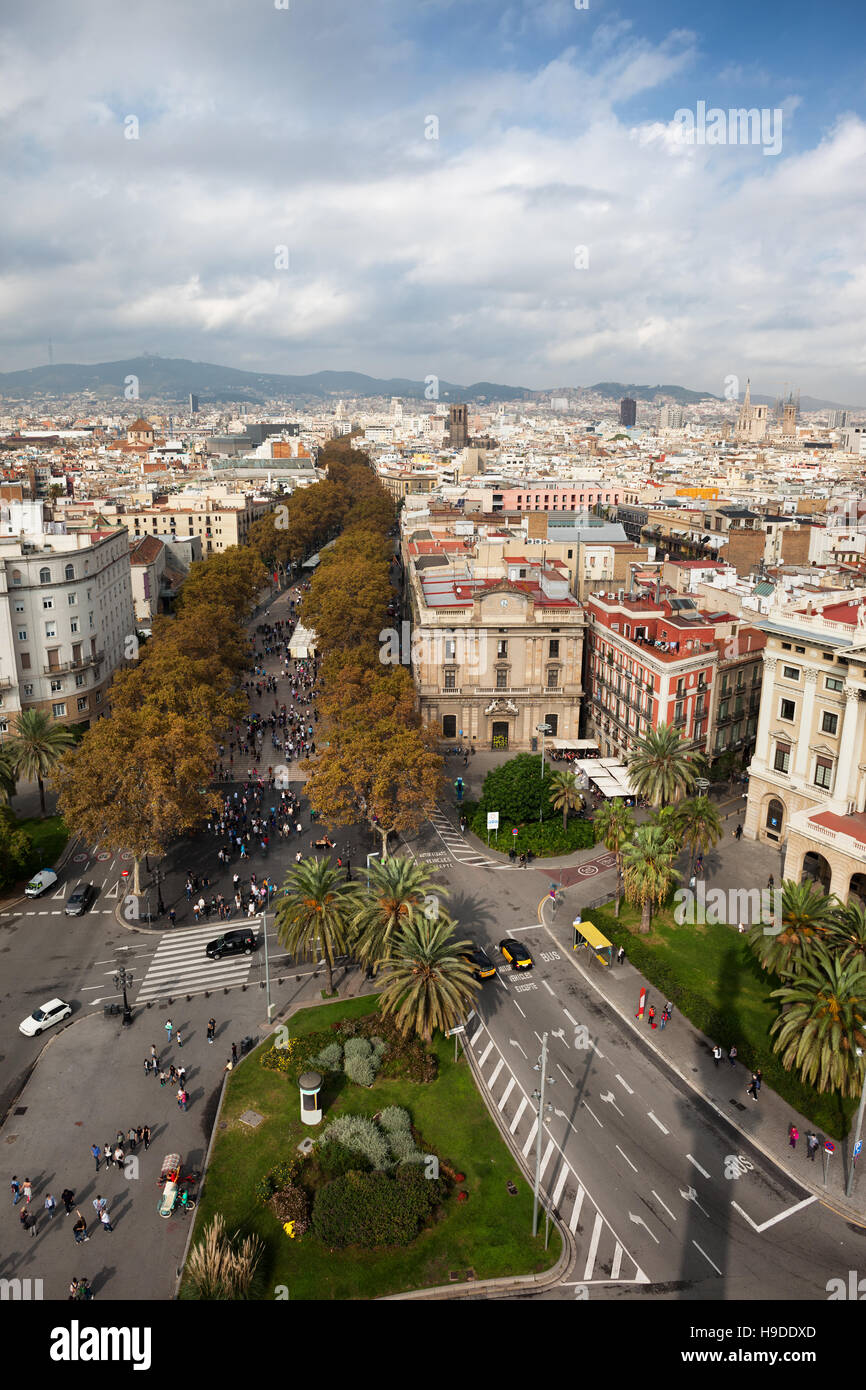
(40, 883)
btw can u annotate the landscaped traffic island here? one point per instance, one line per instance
(407, 1184)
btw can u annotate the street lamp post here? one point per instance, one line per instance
(267, 965)
(538, 1096)
(542, 729)
(376, 854)
(857, 1128)
(122, 981)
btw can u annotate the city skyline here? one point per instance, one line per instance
(488, 193)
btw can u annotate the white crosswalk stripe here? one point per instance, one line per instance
(601, 1255)
(180, 966)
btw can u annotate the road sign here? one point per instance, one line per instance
(492, 820)
(124, 873)
(514, 830)
(857, 1147)
(461, 1028)
(829, 1146)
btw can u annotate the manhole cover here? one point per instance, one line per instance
(251, 1118)
(10, 1138)
(20, 1110)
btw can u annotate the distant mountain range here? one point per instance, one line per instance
(174, 378)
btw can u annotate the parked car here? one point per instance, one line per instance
(45, 1017)
(40, 883)
(80, 900)
(482, 966)
(517, 956)
(232, 943)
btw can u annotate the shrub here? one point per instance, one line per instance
(292, 1204)
(361, 1135)
(333, 1159)
(329, 1059)
(285, 1059)
(283, 1175)
(372, 1209)
(394, 1117)
(360, 1070)
(358, 1047)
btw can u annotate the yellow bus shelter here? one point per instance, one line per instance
(588, 936)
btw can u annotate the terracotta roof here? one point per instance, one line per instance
(145, 551)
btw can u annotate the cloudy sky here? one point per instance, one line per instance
(433, 169)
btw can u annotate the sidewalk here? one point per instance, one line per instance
(688, 1053)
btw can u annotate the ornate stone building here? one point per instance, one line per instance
(807, 787)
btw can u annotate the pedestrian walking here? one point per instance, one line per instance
(168, 1027)
(738, 833)
(211, 1029)
(118, 1157)
(16, 1189)
(172, 1075)
(99, 1204)
(67, 1197)
(79, 1230)
(172, 916)
(732, 1054)
(154, 1056)
(620, 955)
(651, 1016)
(97, 1154)
(182, 1099)
(717, 1054)
(664, 1018)
(146, 1137)
(234, 1052)
(147, 1066)
(27, 1190)
(812, 1146)
(106, 1220)
(754, 1085)
(28, 1222)
(179, 1039)
(162, 1078)
(181, 1077)
(793, 1135)
(50, 1205)
(770, 881)
(131, 1139)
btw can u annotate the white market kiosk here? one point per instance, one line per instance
(302, 644)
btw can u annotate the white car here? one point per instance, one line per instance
(45, 1017)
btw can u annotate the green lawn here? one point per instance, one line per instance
(49, 838)
(491, 1233)
(712, 977)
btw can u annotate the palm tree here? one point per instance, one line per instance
(648, 869)
(564, 792)
(314, 913)
(808, 915)
(699, 825)
(396, 890)
(820, 1029)
(846, 933)
(8, 781)
(428, 982)
(660, 768)
(36, 747)
(614, 826)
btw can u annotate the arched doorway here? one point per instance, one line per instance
(774, 817)
(815, 866)
(857, 890)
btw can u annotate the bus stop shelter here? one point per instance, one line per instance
(588, 937)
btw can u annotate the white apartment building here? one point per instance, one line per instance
(66, 612)
(807, 779)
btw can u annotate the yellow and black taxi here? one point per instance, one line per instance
(482, 966)
(517, 956)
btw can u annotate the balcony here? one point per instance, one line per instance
(65, 667)
(5, 682)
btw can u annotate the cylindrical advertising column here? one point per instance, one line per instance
(311, 1106)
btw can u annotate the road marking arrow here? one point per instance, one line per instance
(610, 1100)
(515, 1043)
(562, 1115)
(690, 1195)
(560, 1033)
(639, 1221)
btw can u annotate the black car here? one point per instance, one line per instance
(232, 944)
(482, 966)
(80, 900)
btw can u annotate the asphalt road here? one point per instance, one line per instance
(661, 1193)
